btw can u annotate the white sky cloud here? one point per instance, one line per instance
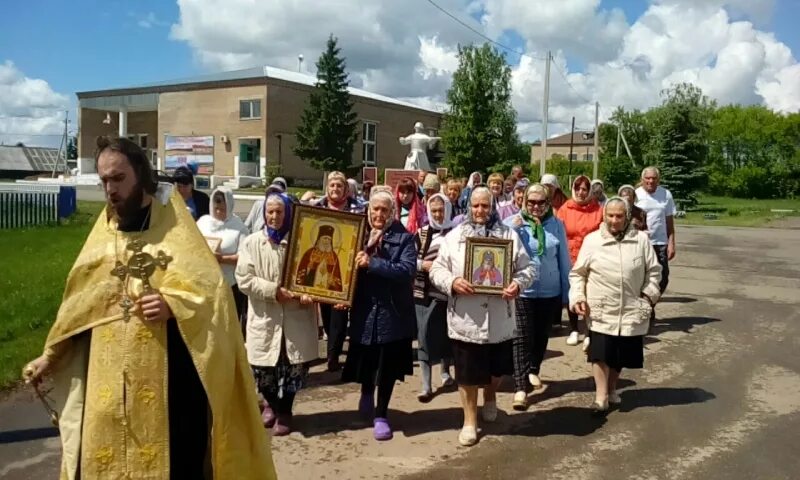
(410, 52)
(29, 109)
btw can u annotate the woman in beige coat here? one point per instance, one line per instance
(281, 327)
(614, 285)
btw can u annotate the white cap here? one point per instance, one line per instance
(550, 179)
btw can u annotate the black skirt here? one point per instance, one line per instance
(432, 340)
(374, 364)
(477, 363)
(616, 352)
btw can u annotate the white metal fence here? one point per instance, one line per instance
(28, 205)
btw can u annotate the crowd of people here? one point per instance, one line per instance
(582, 253)
(604, 260)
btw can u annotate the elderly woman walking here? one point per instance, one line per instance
(431, 304)
(334, 319)
(581, 215)
(382, 316)
(540, 305)
(638, 215)
(222, 224)
(281, 326)
(614, 283)
(480, 326)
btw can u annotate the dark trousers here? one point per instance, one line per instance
(573, 321)
(283, 405)
(534, 318)
(240, 299)
(189, 414)
(334, 322)
(663, 260)
(385, 389)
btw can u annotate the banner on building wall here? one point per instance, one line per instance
(198, 151)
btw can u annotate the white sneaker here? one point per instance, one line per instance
(520, 401)
(572, 340)
(489, 411)
(535, 380)
(586, 342)
(468, 437)
(614, 398)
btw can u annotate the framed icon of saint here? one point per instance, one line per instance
(320, 257)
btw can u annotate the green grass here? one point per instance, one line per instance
(36, 262)
(739, 212)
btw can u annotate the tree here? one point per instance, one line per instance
(479, 127)
(72, 148)
(328, 126)
(682, 124)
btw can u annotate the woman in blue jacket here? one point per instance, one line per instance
(540, 304)
(382, 319)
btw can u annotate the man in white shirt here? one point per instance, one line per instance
(660, 207)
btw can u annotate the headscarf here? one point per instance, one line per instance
(416, 211)
(352, 188)
(375, 235)
(589, 197)
(448, 209)
(472, 183)
(626, 187)
(342, 178)
(493, 226)
(602, 185)
(620, 235)
(277, 235)
(536, 224)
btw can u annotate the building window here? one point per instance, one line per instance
(370, 144)
(143, 140)
(588, 157)
(249, 109)
(573, 156)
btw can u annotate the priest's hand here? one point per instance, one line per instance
(340, 306)
(283, 295)
(511, 291)
(36, 370)
(154, 308)
(362, 259)
(462, 287)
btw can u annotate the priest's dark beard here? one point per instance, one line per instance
(130, 207)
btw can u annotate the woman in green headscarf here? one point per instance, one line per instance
(539, 306)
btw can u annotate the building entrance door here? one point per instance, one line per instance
(249, 157)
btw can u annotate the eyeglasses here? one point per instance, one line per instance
(536, 203)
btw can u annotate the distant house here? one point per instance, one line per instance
(237, 124)
(582, 147)
(18, 162)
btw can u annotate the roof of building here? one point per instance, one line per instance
(27, 159)
(265, 72)
(579, 138)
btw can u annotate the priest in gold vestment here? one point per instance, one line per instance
(146, 355)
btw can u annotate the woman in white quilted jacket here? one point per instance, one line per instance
(614, 285)
(480, 327)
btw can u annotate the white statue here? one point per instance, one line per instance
(417, 158)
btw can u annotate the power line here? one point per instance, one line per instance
(566, 80)
(481, 34)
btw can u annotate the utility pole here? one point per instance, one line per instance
(62, 146)
(619, 133)
(596, 138)
(542, 167)
(571, 141)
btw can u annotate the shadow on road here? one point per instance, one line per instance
(677, 300)
(15, 436)
(676, 324)
(663, 397)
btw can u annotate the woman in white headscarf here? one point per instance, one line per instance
(228, 232)
(480, 326)
(614, 285)
(431, 304)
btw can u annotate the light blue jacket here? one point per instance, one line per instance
(553, 277)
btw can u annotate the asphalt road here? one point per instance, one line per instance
(719, 397)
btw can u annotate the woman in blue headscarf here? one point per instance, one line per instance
(281, 327)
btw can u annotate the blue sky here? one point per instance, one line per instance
(94, 44)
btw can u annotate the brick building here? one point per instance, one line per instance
(239, 125)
